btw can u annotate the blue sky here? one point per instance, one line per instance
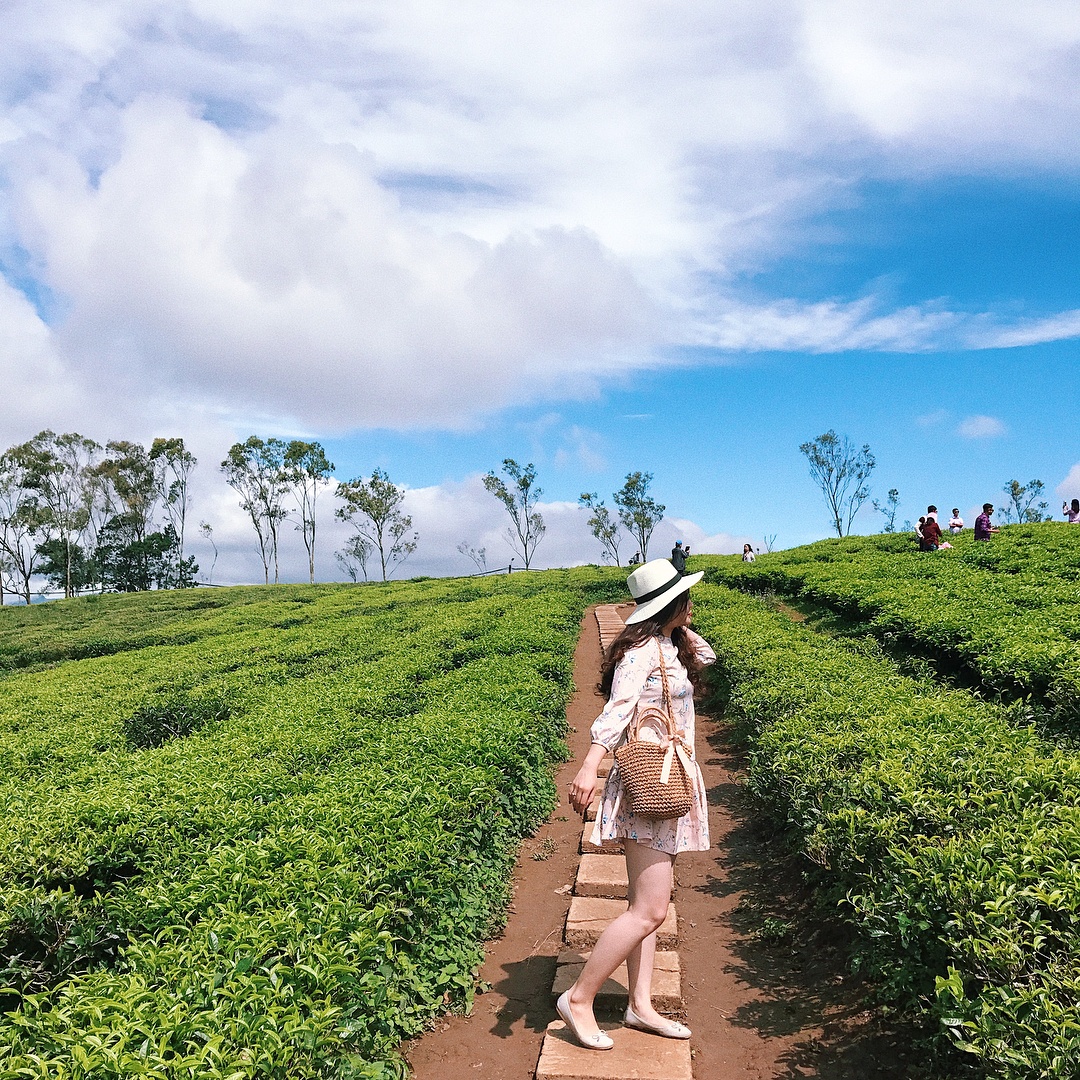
(682, 245)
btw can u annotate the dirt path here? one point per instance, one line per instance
(766, 998)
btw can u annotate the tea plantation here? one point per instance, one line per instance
(1002, 613)
(944, 821)
(263, 832)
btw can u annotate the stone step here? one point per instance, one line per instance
(603, 768)
(589, 915)
(608, 847)
(666, 984)
(601, 875)
(636, 1055)
(594, 809)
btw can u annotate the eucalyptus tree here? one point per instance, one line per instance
(60, 468)
(520, 497)
(1025, 503)
(255, 470)
(603, 525)
(840, 470)
(638, 511)
(353, 557)
(173, 464)
(888, 509)
(24, 522)
(308, 469)
(374, 508)
(477, 555)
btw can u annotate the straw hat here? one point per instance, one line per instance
(654, 584)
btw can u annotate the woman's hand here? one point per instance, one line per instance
(583, 788)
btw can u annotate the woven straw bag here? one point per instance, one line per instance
(655, 776)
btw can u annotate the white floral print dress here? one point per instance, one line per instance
(637, 683)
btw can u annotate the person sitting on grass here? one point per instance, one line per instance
(983, 528)
(931, 535)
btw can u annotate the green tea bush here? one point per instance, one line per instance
(267, 838)
(173, 716)
(1002, 612)
(950, 832)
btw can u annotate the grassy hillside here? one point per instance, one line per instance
(1002, 614)
(942, 821)
(261, 832)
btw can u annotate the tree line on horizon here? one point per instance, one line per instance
(113, 518)
(842, 470)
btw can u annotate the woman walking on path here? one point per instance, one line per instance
(657, 633)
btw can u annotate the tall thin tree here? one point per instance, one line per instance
(24, 520)
(1025, 503)
(840, 470)
(173, 464)
(638, 511)
(60, 469)
(602, 525)
(308, 469)
(255, 470)
(519, 497)
(373, 507)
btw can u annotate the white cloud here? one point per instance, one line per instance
(1069, 488)
(980, 427)
(364, 213)
(443, 515)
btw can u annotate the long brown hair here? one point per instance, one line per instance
(639, 632)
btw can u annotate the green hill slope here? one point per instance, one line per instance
(262, 832)
(1002, 613)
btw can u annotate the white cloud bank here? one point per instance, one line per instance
(407, 214)
(981, 427)
(443, 516)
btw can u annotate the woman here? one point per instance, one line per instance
(747, 553)
(656, 631)
(1071, 511)
(931, 535)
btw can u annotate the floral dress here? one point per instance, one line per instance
(637, 683)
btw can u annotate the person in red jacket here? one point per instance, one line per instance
(931, 535)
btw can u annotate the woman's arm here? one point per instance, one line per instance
(585, 783)
(631, 674)
(701, 647)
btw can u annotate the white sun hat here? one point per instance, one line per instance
(654, 584)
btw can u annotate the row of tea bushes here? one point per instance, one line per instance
(273, 850)
(950, 831)
(1005, 610)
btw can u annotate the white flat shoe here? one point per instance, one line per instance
(669, 1029)
(600, 1041)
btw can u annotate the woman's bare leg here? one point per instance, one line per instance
(650, 875)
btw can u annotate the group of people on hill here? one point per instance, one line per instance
(928, 531)
(931, 538)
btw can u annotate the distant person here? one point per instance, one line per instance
(931, 512)
(931, 535)
(747, 553)
(1072, 511)
(635, 559)
(919, 528)
(956, 522)
(678, 556)
(983, 528)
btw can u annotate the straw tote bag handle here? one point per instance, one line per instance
(656, 776)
